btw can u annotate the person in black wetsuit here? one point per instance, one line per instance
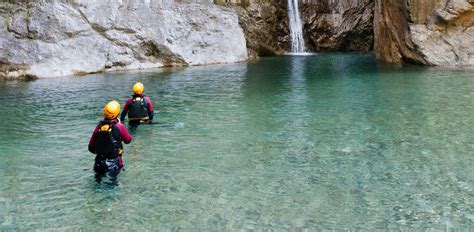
(106, 143)
(139, 108)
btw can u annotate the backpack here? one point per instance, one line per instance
(107, 140)
(138, 109)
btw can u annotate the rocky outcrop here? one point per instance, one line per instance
(264, 24)
(392, 38)
(343, 25)
(65, 37)
(431, 32)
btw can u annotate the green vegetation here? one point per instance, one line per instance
(6, 22)
(9, 8)
(18, 2)
(27, 14)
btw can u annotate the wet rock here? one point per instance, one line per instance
(58, 38)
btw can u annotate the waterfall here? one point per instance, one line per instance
(296, 27)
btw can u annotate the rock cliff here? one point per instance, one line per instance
(431, 32)
(329, 25)
(342, 25)
(65, 37)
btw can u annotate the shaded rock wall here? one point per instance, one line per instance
(57, 38)
(392, 38)
(342, 25)
(265, 24)
(329, 25)
(431, 32)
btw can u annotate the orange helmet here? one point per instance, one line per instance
(138, 88)
(111, 110)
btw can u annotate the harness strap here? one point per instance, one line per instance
(134, 119)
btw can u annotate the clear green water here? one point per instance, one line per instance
(286, 143)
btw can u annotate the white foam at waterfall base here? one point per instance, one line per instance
(296, 27)
(301, 54)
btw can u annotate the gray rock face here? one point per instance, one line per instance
(452, 48)
(58, 38)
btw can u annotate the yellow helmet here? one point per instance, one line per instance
(138, 88)
(111, 110)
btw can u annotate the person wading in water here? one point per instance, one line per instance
(106, 143)
(139, 108)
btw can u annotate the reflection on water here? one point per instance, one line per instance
(328, 141)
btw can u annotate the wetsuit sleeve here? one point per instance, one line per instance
(125, 110)
(92, 140)
(151, 113)
(126, 137)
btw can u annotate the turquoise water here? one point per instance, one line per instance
(334, 141)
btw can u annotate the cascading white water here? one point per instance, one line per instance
(296, 27)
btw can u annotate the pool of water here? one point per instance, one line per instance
(332, 141)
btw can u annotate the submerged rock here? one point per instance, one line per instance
(58, 38)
